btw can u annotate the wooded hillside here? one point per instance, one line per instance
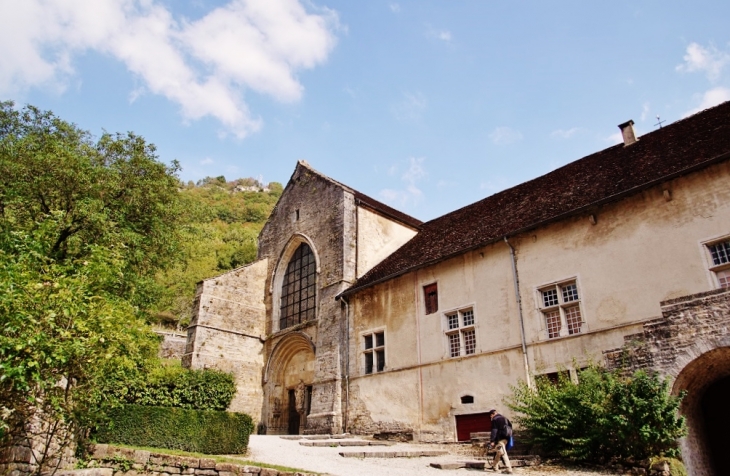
(222, 220)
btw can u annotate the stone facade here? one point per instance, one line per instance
(290, 380)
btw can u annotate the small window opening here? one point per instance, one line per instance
(467, 399)
(430, 294)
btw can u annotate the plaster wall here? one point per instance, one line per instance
(377, 237)
(642, 250)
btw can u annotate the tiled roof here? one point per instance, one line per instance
(605, 176)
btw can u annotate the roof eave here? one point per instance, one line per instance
(562, 216)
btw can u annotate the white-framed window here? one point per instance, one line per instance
(719, 258)
(374, 351)
(460, 333)
(560, 307)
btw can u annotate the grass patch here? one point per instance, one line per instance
(218, 458)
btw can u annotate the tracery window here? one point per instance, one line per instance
(299, 291)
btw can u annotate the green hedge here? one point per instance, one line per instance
(174, 386)
(209, 432)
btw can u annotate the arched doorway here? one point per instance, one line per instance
(288, 386)
(706, 380)
(716, 413)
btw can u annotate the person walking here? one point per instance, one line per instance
(501, 433)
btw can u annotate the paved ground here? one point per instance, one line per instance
(276, 450)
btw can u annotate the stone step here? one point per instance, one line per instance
(315, 437)
(392, 454)
(326, 443)
(516, 462)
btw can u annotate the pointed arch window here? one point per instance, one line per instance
(299, 291)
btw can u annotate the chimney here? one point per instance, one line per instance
(627, 131)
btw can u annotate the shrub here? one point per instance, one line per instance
(174, 386)
(208, 432)
(605, 416)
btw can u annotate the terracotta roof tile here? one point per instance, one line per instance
(608, 175)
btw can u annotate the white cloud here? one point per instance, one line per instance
(411, 194)
(206, 161)
(410, 108)
(394, 7)
(564, 133)
(205, 66)
(505, 135)
(710, 98)
(615, 138)
(443, 35)
(709, 60)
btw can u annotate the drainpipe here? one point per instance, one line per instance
(347, 361)
(519, 308)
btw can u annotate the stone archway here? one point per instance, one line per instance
(288, 384)
(706, 380)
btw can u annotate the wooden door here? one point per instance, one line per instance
(472, 423)
(293, 414)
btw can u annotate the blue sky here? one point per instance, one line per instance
(425, 105)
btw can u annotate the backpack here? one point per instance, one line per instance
(511, 441)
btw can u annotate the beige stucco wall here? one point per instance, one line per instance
(640, 251)
(377, 237)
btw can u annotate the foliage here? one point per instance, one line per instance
(66, 339)
(84, 227)
(174, 386)
(211, 432)
(112, 192)
(605, 416)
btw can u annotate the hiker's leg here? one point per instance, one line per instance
(505, 458)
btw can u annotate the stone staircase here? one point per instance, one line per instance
(324, 441)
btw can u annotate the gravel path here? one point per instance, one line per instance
(327, 460)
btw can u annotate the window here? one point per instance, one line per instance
(720, 256)
(460, 333)
(299, 291)
(560, 306)
(374, 352)
(466, 399)
(431, 297)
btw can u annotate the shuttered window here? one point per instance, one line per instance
(431, 297)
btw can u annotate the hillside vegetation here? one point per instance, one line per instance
(222, 220)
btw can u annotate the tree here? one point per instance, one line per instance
(84, 227)
(606, 415)
(112, 192)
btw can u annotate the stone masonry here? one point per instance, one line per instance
(689, 344)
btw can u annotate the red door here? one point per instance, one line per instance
(473, 423)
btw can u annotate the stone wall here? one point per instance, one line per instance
(172, 345)
(689, 327)
(689, 344)
(227, 332)
(129, 462)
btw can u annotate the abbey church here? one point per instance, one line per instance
(359, 318)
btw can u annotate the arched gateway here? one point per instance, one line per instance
(288, 385)
(690, 345)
